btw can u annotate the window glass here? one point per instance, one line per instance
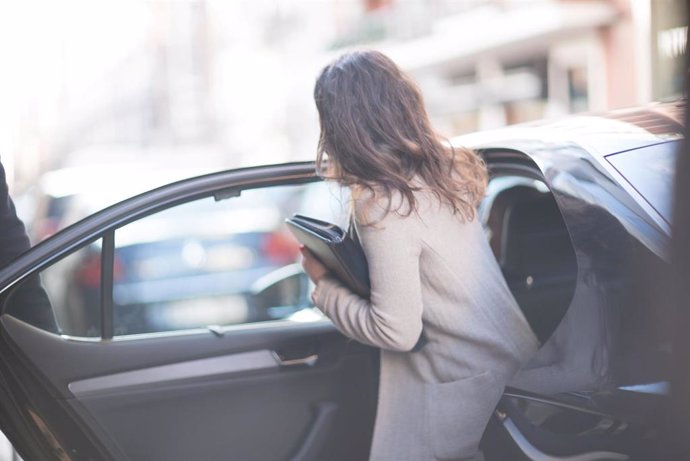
(208, 262)
(65, 297)
(532, 246)
(650, 171)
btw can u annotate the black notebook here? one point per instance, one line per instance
(337, 249)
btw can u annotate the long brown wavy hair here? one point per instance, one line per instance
(376, 135)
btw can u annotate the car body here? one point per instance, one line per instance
(577, 227)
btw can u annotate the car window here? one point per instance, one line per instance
(65, 297)
(650, 171)
(203, 263)
(532, 246)
(211, 262)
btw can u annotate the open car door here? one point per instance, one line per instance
(183, 331)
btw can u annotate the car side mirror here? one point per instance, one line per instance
(279, 294)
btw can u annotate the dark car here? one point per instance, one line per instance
(577, 213)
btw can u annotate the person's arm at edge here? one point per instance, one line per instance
(30, 301)
(13, 238)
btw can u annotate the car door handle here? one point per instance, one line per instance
(309, 360)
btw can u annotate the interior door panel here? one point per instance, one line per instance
(245, 417)
(210, 396)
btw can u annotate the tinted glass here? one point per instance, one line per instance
(65, 297)
(531, 243)
(650, 171)
(198, 264)
(207, 262)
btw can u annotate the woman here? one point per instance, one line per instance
(431, 267)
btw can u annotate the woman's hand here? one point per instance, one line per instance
(312, 266)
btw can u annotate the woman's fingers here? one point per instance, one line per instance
(312, 266)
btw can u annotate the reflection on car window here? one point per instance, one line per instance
(198, 264)
(217, 263)
(650, 171)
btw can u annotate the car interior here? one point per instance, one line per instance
(531, 243)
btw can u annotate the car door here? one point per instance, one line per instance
(183, 330)
(153, 362)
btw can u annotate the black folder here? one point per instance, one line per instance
(337, 249)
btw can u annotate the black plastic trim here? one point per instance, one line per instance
(107, 260)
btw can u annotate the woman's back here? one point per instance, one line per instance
(464, 295)
(465, 299)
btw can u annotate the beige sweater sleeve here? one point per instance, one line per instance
(392, 317)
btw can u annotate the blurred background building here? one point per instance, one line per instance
(217, 84)
(484, 64)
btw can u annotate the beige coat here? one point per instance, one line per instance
(433, 271)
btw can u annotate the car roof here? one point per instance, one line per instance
(600, 134)
(571, 143)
